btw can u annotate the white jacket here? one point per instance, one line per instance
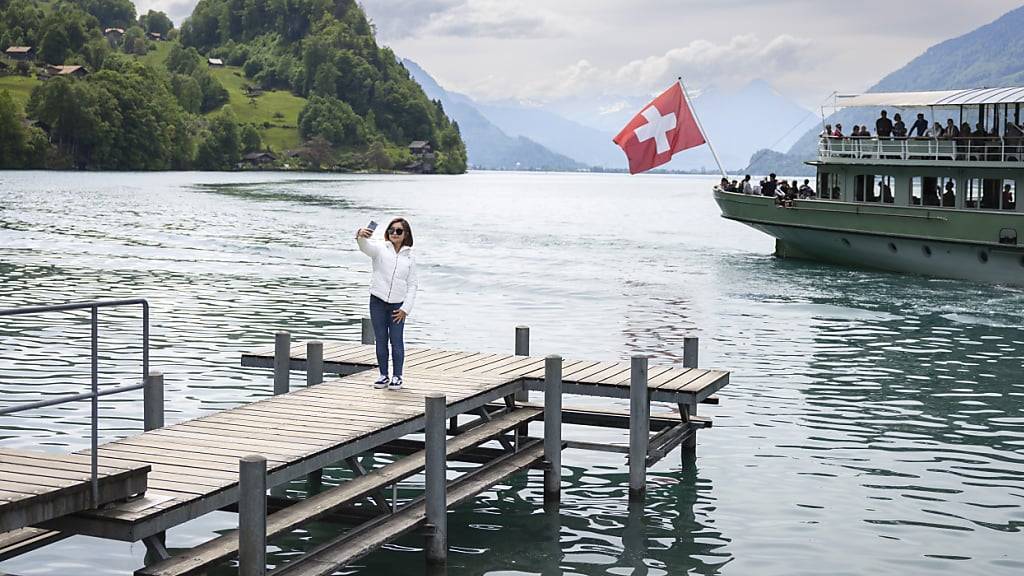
(394, 273)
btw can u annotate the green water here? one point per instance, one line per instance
(874, 423)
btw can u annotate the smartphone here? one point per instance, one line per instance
(371, 226)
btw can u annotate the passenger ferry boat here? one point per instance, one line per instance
(943, 207)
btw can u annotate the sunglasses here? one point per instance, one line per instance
(396, 231)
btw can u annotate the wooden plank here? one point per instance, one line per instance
(17, 542)
(7, 453)
(679, 379)
(315, 507)
(325, 559)
(584, 375)
(484, 362)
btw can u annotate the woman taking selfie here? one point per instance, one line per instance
(392, 294)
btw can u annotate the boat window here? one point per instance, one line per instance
(915, 191)
(982, 193)
(1008, 195)
(828, 186)
(926, 191)
(882, 189)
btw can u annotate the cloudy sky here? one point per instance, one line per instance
(545, 50)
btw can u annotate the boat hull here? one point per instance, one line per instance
(828, 233)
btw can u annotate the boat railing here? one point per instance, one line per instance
(986, 149)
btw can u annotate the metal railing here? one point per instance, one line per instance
(983, 149)
(95, 393)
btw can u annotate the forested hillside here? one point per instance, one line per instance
(302, 77)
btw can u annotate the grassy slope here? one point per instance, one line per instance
(20, 88)
(284, 132)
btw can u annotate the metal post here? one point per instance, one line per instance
(367, 335)
(639, 427)
(688, 449)
(690, 351)
(94, 460)
(437, 538)
(553, 428)
(252, 516)
(282, 362)
(523, 349)
(314, 363)
(153, 402)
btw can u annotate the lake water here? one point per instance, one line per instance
(874, 422)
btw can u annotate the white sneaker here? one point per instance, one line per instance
(381, 382)
(396, 383)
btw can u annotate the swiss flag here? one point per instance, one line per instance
(662, 128)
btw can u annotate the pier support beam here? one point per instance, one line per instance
(553, 428)
(688, 449)
(436, 482)
(314, 376)
(367, 336)
(252, 516)
(639, 427)
(282, 362)
(153, 402)
(523, 349)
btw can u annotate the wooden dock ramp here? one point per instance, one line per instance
(36, 487)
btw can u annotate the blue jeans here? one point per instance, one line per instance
(386, 330)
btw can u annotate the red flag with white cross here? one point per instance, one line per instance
(662, 128)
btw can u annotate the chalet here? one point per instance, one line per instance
(114, 35)
(423, 157)
(20, 52)
(258, 158)
(215, 62)
(68, 71)
(156, 36)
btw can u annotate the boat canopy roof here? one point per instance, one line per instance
(968, 97)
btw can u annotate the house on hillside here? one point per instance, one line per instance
(215, 62)
(258, 158)
(24, 53)
(67, 71)
(423, 157)
(155, 36)
(114, 35)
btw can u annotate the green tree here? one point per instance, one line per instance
(220, 149)
(119, 13)
(332, 119)
(250, 139)
(12, 136)
(158, 22)
(55, 46)
(95, 53)
(188, 93)
(183, 60)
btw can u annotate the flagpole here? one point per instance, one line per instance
(701, 128)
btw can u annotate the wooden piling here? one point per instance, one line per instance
(523, 349)
(553, 428)
(367, 336)
(314, 363)
(282, 362)
(435, 496)
(688, 449)
(252, 516)
(153, 402)
(639, 427)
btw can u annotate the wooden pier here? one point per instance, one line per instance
(461, 401)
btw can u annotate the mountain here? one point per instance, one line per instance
(487, 146)
(738, 122)
(990, 56)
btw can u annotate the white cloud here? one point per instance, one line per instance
(701, 63)
(399, 19)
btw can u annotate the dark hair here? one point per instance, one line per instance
(407, 238)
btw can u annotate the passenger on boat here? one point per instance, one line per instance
(827, 132)
(745, 187)
(805, 190)
(1008, 203)
(951, 130)
(965, 130)
(838, 132)
(949, 195)
(836, 193)
(935, 131)
(885, 192)
(920, 126)
(899, 129)
(883, 126)
(771, 185)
